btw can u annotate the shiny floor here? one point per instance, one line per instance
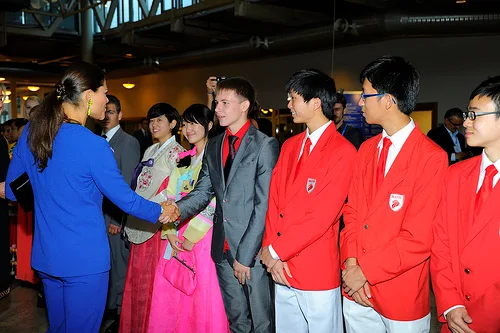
(19, 314)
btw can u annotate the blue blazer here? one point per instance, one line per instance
(70, 235)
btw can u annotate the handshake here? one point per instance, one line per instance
(170, 212)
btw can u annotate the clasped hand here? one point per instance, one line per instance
(355, 284)
(170, 212)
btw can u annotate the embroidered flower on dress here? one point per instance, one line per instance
(145, 179)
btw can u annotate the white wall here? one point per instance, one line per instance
(449, 67)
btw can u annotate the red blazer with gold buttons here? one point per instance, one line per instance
(302, 216)
(389, 230)
(465, 268)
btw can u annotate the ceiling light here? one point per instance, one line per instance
(8, 92)
(25, 97)
(2, 79)
(461, 1)
(129, 55)
(128, 85)
(7, 101)
(33, 88)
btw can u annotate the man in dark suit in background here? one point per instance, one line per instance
(143, 136)
(353, 135)
(127, 155)
(449, 138)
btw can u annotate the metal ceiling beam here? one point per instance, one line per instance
(131, 38)
(277, 14)
(165, 17)
(219, 31)
(43, 30)
(55, 60)
(373, 3)
(110, 14)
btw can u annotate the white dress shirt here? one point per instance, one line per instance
(111, 132)
(398, 139)
(314, 137)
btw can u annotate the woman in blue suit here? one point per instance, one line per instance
(70, 170)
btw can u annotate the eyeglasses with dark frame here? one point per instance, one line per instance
(473, 115)
(365, 96)
(454, 124)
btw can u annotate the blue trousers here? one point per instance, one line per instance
(75, 304)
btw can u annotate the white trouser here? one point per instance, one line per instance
(300, 311)
(362, 319)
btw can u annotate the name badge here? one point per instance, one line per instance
(396, 201)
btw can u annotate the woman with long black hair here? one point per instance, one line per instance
(70, 169)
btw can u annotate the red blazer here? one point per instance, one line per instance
(389, 231)
(303, 226)
(465, 268)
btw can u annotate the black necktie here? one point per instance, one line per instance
(231, 139)
(104, 136)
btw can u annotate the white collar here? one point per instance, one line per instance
(485, 162)
(399, 138)
(111, 132)
(316, 135)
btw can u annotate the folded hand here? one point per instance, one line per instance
(175, 242)
(278, 273)
(267, 259)
(241, 272)
(353, 279)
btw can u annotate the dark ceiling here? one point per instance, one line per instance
(40, 42)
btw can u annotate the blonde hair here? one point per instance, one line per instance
(34, 98)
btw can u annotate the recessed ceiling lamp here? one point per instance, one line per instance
(25, 97)
(128, 85)
(8, 93)
(461, 1)
(7, 101)
(33, 88)
(129, 55)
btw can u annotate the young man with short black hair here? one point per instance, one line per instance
(308, 190)
(465, 271)
(393, 198)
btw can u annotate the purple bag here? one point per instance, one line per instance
(180, 272)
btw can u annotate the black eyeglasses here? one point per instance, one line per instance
(454, 124)
(472, 115)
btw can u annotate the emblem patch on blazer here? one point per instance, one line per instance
(396, 201)
(311, 184)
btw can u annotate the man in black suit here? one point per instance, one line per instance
(144, 136)
(449, 138)
(354, 135)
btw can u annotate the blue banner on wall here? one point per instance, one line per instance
(354, 115)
